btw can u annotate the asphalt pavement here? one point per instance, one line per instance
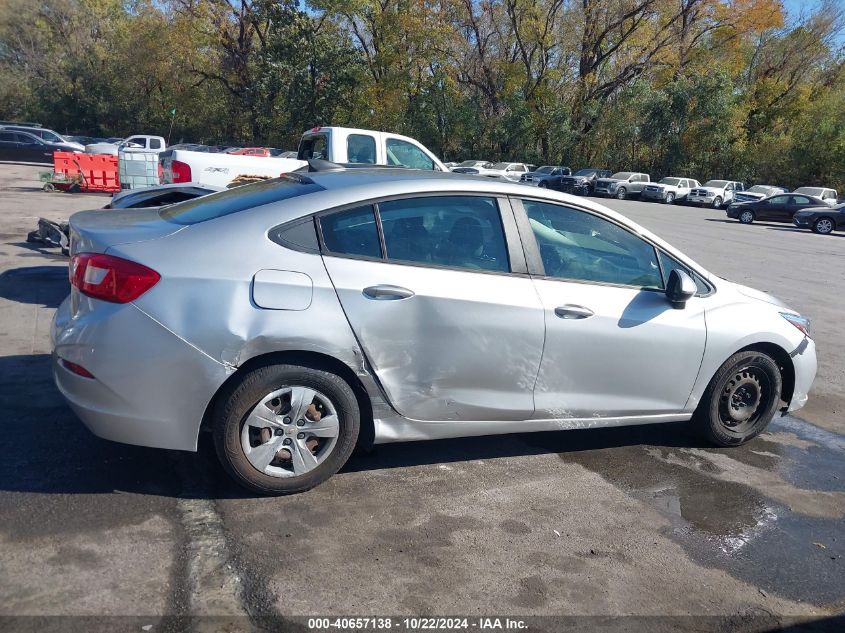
(641, 521)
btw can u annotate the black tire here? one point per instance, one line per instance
(235, 403)
(746, 217)
(621, 193)
(670, 198)
(717, 202)
(543, 185)
(743, 370)
(824, 226)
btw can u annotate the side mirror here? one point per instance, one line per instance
(680, 288)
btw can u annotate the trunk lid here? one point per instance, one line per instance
(97, 231)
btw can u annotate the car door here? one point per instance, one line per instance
(32, 149)
(440, 302)
(796, 203)
(9, 146)
(774, 208)
(614, 348)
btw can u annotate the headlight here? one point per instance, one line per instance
(802, 323)
(613, 185)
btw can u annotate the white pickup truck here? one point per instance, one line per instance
(136, 143)
(335, 144)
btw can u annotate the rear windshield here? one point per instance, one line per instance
(223, 203)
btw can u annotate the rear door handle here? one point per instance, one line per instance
(387, 292)
(570, 311)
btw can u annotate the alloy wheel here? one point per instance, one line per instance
(824, 226)
(746, 217)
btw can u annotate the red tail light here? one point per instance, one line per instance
(110, 278)
(181, 171)
(79, 370)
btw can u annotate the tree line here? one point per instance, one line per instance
(737, 89)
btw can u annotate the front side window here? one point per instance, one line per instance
(403, 153)
(580, 246)
(351, 232)
(456, 231)
(361, 148)
(668, 264)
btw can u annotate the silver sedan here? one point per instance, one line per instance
(297, 317)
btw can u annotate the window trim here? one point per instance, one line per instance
(513, 244)
(535, 261)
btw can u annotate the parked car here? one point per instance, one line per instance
(621, 185)
(161, 195)
(538, 176)
(758, 192)
(778, 208)
(669, 189)
(715, 193)
(822, 220)
(137, 143)
(46, 135)
(23, 147)
(471, 166)
(511, 171)
(581, 182)
(219, 168)
(828, 195)
(296, 329)
(351, 145)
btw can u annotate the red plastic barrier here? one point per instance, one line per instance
(96, 172)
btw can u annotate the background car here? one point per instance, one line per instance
(714, 193)
(46, 135)
(829, 196)
(778, 208)
(621, 185)
(669, 189)
(23, 147)
(250, 151)
(581, 182)
(821, 220)
(303, 294)
(476, 165)
(758, 192)
(538, 176)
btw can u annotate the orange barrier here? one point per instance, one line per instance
(93, 172)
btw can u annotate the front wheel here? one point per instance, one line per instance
(823, 226)
(621, 193)
(746, 217)
(670, 198)
(740, 400)
(543, 185)
(283, 429)
(717, 202)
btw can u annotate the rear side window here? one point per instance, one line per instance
(155, 143)
(351, 232)
(456, 231)
(238, 199)
(361, 148)
(313, 147)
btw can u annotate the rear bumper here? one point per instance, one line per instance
(150, 388)
(805, 364)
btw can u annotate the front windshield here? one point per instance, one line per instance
(716, 184)
(622, 175)
(546, 169)
(468, 163)
(500, 166)
(585, 172)
(670, 181)
(809, 191)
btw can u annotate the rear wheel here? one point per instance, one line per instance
(740, 400)
(284, 429)
(823, 226)
(746, 217)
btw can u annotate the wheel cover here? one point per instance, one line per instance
(824, 226)
(746, 216)
(744, 398)
(290, 431)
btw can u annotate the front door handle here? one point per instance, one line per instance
(387, 292)
(570, 311)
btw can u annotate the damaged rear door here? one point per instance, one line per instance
(448, 320)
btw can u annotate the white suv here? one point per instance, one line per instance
(715, 193)
(669, 190)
